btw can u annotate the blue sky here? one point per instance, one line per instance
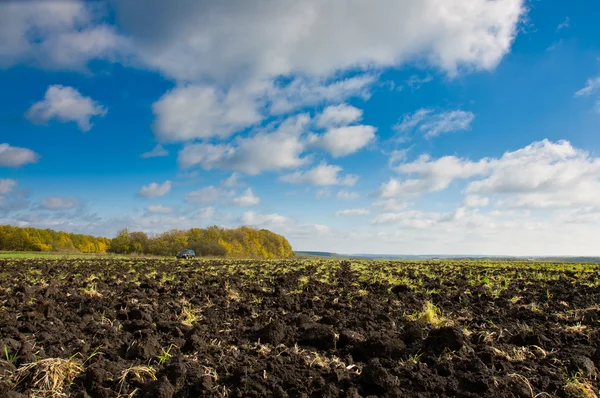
(387, 127)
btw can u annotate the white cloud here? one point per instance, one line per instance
(353, 212)
(347, 195)
(410, 219)
(411, 120)
(157, 151)
(65, 104)
(302, 91)
(390, 205)
(397, 156)
(53, 35)
(160, 209)
(433, 175)
(339, 115)
(247, 198)
(591, 85)
(415, 82)
(564, 24)
(285, 226)
(475, 201)
(231, 181)
(59, 203)
(432, 124)
(203, 111)
(544, 174)
(155, 189)
(207, 194)
(195, 111)
(11, 156)
(321, 175)
(251, 218)
(236, 64)
(6, 185)
(323, 193)
(241, 41)
(276, 150)
(342, 141)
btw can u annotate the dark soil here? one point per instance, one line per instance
(302, 328)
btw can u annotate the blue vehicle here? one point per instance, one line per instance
(186, 254)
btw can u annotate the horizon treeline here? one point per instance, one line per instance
(211, 241)
(48, 240)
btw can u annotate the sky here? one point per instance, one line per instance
(388, 126)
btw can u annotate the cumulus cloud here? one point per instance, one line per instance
(231, 181)
(542, 175)
(317, 37)
(322, 175)
(339, 115)
(11, 156)
(347, 195)
(157, 151)
(278, 58)
(323, 193)
(6, 185)
(266, 150)
(196, 111)
(397, 156)
(155, 189)
(160, 209)
(304, 91)
(411, 218)
(342, 141)
(432, 124)
(353, 212)
(390, 205)
(254, 219)
(209, 194)
(65, 104)
(59, 203)
(432, 175)
(247, 198)
(288, 227)
(475, 201)
(56, 34)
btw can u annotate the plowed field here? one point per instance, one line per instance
(297, 328)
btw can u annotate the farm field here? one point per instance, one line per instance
(104, 327)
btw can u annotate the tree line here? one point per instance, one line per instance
(211, 241)
(47, 240)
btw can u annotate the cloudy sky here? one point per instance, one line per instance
(388, 126)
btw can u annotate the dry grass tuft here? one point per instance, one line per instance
(189, 315)
(49, 377)
(580, 387)
(91, 291)
(139, 373)
(524, 380)
(233, 295)
(430, 315)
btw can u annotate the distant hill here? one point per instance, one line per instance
(551, 259)
(318, 254)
